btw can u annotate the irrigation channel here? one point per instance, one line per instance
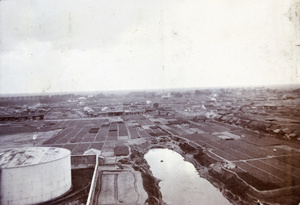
(180, 182)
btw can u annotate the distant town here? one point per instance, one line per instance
(244, 141)
(272, 111)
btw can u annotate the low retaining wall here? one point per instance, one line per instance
(85, 161)
(88, 161)
(93, 183)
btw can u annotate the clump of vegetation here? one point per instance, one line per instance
(231, 182)
(151, 187)
(203, 159)
(121, 150)
(186, 147)
(94, 130)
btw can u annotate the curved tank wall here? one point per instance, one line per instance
(46, 175)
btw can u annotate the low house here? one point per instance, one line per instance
(92, 151)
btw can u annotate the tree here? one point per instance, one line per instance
(156, 105)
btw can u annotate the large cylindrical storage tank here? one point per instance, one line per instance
(34, 175)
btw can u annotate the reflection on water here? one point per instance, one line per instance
(181, 183)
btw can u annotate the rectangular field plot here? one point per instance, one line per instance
(91, 135)
(177, 129)
(294, 171)
(197, 139)
(79, 136)
(62, 140)
(172, 131)
(291, 160)
(246, 148)
(57, 145)
(141, 122)
(113, 126)
(237, 154)
(65, 123)
(263, 141)
(108, 152)
(156, 131)
(72, 124)
(73, 133)
(143, 134)
(88, 139)
(224, 154)
(233, 152)
(57, 125)
(101, 121)
(98, 146)
(148, 122)
(102, 134)
(133, 132)
(257, 178)
(107, 194)
(272, 150)
(70, 146)
(109, 144)
(209, 128)
(79, 123)
(126, 189)
(58, 136)
(81, 148)
(288, 179)
(256, 181)
(169, 129)
(64, 132)
(149, 131)
(208, 136)
(113, 135)
(122, 130)
(82, 132)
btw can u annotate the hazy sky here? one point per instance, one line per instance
(80, 45)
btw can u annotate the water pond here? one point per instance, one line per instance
(181, 183)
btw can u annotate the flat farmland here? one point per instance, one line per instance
(97, 145)
(122, 131)
(143, 133)
(81, 135)
(157, 131)
(81, 148)
(113, 135)
(293, 160)
(148, 122)
(261, 161)
(102, 133)
(133, 133)
(169, 129)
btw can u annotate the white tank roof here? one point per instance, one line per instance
(28, 156)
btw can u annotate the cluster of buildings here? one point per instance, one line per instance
(266, 110)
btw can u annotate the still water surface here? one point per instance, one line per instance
(181, 183)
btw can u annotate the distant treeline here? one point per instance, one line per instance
(6, 101)
(43, 99)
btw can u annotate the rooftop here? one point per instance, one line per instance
(27, 156)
